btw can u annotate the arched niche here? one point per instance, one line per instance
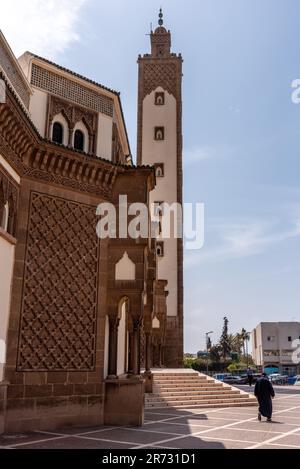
(60, 119)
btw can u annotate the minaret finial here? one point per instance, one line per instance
(160, 21)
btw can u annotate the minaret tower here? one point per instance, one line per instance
(159, 143)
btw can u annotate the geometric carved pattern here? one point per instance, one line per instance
(72, 113)
(163, 75)
(70, 90)
(59, 311)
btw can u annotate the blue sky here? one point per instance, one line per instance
(241, 133)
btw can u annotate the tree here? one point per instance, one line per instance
(214, 353)
(244, 336)
(224, 340)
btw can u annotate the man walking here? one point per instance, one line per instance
(250, 376)
(264, 393)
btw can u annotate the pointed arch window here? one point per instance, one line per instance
(159, 133)
(11, 217)
(4, 216)
(57, 133)
(159, 170)
(79, 140)
(159, 98)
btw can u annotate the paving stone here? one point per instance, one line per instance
(75, 443)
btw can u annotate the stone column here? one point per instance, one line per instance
(130, 358)
(71, 132)
(148, 352)
(91, 144)
(135, 350)
(113, 346)
(160, 355)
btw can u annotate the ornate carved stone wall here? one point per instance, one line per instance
(163, 75)
(73, 115)
(58, 321)
(70, 90)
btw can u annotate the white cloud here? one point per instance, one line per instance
(241, 239)
(206, 152)
(45, 27)
(199, 154)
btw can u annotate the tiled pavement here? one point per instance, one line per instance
(173, 429)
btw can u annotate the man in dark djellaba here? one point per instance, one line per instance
(264, 393)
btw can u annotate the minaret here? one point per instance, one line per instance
(159, 143)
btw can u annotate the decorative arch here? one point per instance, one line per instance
(125, 268)
(83, 144)
(62, 120)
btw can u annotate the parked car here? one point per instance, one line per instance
(255, 377)
(233, 380)
(244, 379)
(221, 376)
(277, 378)
(297, 381)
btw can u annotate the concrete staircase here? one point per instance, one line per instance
(190, 389)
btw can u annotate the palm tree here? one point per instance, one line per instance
(244, 336)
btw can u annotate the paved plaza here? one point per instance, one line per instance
(182, 429)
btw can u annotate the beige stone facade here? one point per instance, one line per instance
(81, 315)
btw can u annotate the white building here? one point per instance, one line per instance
(274, 347)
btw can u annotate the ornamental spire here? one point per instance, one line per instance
(160, 21)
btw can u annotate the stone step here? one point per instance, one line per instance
(196, 398)
(188, 386)
(216, 404)
(203, 403)
(190, 373)
(179, 378)
(182, 382)
(191, 393)
(193, 390)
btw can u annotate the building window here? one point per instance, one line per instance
(271, 338)
(271, 353)
(158, 214)
(289, 338)
(160, 98)
(11, 218)
(57, 133)
(159, 133)
(161, 51)
(160, 249)
(158, 208)
(79, 140)
(159, 170)
(5, 216)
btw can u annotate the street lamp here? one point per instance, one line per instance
(206, 341)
